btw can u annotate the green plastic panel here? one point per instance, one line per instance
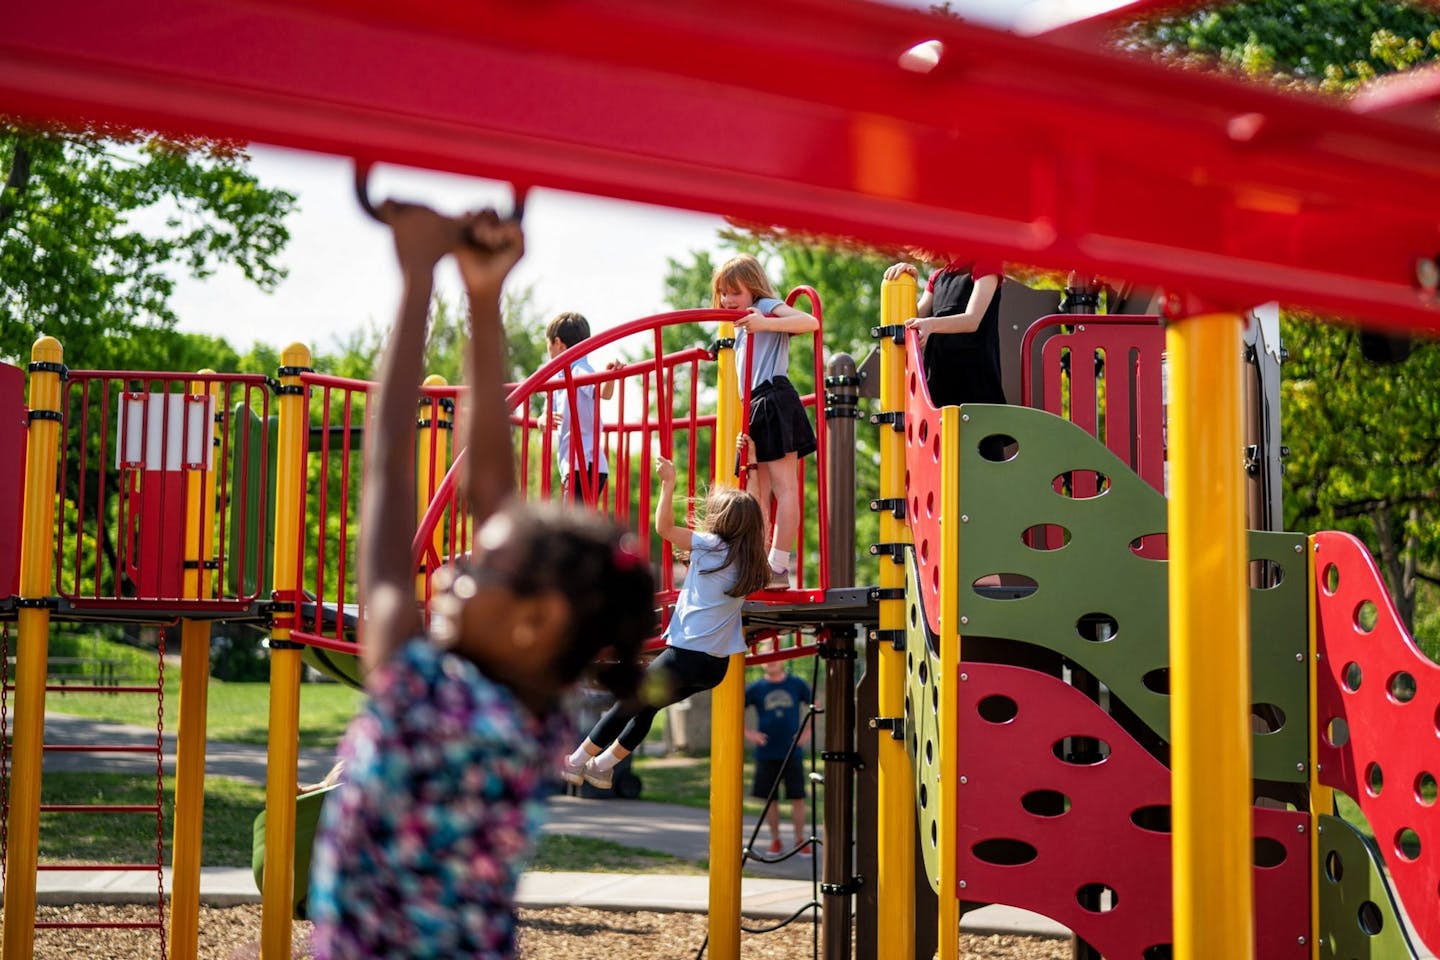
(248, 437)
(1096, 576)
(922, 720)
(1358, 916)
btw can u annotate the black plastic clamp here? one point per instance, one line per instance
(827, 651)
(895, 551)
(52, 415)
(896, 419)
(201, 565)
(295, 390)
(886, 593)
(896, 726)
(851, 886)
(1252, 458)
(895, 505)
(845, 411)
(895, 331)
(894, 637)
(293, 371)
(723, 343)
(45, 366)
(37, 603)
(440, 424)
(842, 381)
(285, 645)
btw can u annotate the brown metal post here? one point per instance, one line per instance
(867, 857)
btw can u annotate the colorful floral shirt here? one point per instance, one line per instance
(419, 851)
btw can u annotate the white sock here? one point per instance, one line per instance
(605, 761)
(578, 758)
(779, 559)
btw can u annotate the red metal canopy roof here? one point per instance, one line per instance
(1049, 150)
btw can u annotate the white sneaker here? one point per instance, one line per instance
(599, 779)
(572, 772)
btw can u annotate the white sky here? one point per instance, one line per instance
(605, 258)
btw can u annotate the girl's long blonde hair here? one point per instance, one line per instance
(734, 516)
(741, 272)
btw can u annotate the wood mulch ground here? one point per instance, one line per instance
(231, 933)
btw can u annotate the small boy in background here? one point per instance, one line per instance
(562, 333)
(776, 698)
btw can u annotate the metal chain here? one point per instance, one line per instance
(160, 791)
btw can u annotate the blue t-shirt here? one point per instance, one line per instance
(706, 618)
(778, 707)
(585, 411)
(772, 349)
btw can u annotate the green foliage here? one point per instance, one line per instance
(848, 282)
(1333, 44)
(95, 221)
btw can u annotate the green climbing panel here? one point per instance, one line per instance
(1097, 600)
(251, 529)
(922, 720)
(1358, 916)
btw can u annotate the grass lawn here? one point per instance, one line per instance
(686, 781)
(238, 712)
(230, 808)
(563, 852)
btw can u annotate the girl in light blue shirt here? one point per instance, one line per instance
(727, 562)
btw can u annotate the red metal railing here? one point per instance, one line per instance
(656, 409)
(132, 445)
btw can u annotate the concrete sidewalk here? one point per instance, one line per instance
(767, 890)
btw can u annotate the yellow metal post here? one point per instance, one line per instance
(281, 774)
(1322, 798)
(430, 438)
(895, 803)
(37, 541)
(194, 697)
(1209, 643)
(727, 711)
(948, 914)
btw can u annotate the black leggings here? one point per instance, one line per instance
(670, 678)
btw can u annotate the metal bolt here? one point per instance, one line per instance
(964, 418)
(1317, 548)
(964, 518)
(1319, 767)
(964, 779)
(962, 884)
(1319, 828)
(1300, 827)
(964, 677)
(1318, 658)
(1299, 768)
(1299, 548)
(964, 620)
(1299, 658)
(1300, 940)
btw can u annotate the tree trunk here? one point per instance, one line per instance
(1398, 571)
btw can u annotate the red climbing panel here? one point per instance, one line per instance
(922, 480)
(1038, 832)
(1378, 706)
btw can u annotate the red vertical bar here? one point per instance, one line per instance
(322, 517)
(102, 469)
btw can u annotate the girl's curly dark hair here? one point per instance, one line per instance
(596, 567)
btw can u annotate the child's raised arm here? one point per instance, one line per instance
(786, 319)
(665, 525)
(422, 237)
(494, 247)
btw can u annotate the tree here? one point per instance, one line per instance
(94, 220)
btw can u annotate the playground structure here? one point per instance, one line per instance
(1330, 212)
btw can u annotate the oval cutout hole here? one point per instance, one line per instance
(1365, 616)
(1330, 579)
(1374, 779)
(1151, 546)
(1097, 898)
(1351, 676)
(1265, 574)
(1402, 686)
(1081, 484)
(1045, 803)
(997, 709)
(1334, 866)
(1012, 586)
(1425, 788)
(1096, 752)
(1266, 718)
(1097, 627)
(1045, 536)
(1160, 951)
(1157, 681)
(1155, 818)
(1269, 852)
(924, 797)
(1372, 921)
(999, 447)
(1337, 732)
(1407, 844)
(1004, 852)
